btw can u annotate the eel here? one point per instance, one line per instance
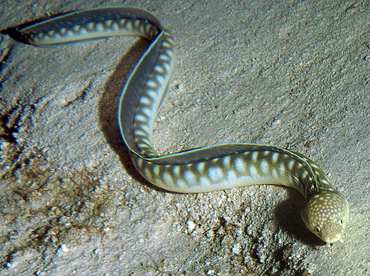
(217, 167)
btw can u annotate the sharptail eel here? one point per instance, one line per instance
(217, 167)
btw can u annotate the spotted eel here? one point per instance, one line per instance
(217, 167)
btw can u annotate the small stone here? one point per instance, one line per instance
(191, 225)
(64, 248)
(237, 248)
(10, 264)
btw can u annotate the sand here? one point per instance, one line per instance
(288, 73)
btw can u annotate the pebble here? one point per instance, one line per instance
(191, 225)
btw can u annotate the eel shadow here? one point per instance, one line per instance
(288, 218)
(108, 106)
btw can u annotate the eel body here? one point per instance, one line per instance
(221, 166)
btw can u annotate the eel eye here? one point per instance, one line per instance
(317, 229)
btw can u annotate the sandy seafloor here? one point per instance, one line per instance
(288, 73)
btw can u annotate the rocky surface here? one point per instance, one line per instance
(289, 73)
